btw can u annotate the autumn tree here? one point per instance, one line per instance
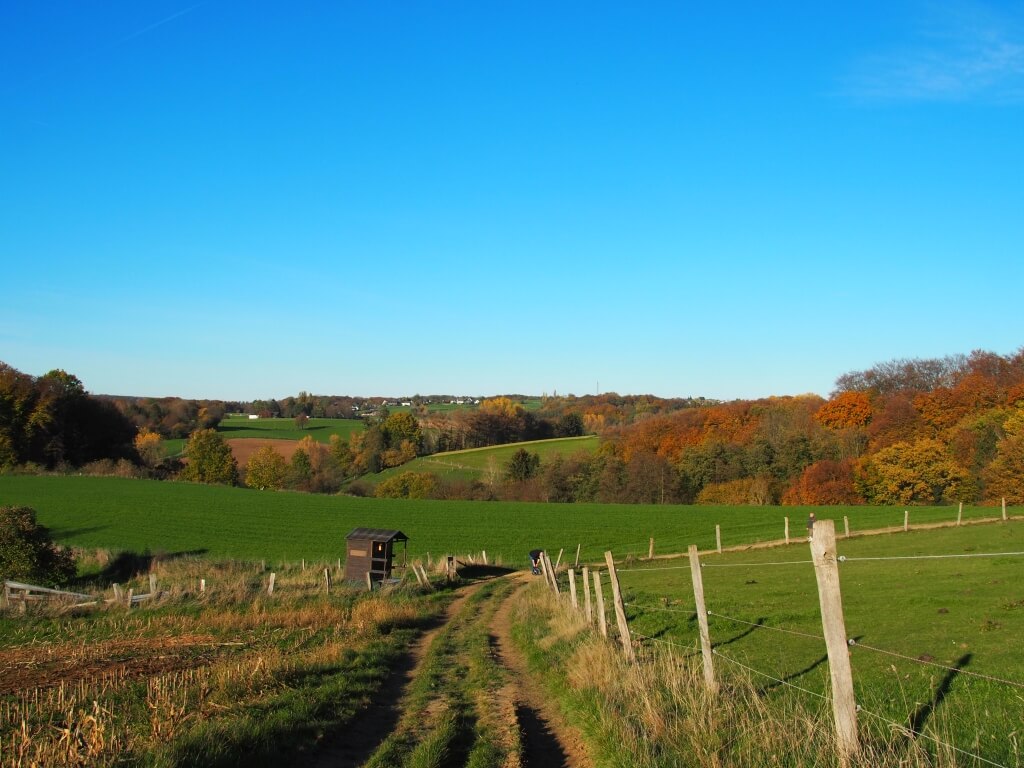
(209, 459)
(1004, 477)
(912, 473)
(847, 409)
(824, 482)
(149, 446)
(266, 469)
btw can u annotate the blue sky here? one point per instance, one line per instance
(244, 200)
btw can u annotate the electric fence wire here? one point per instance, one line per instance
(692, 650)
(779, 680)
(845, 559)
(754, 565)
(912, 732)
(766, 626)
(857, 644)
(659, 608)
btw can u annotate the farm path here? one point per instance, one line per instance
(375, 723)
(548, 741)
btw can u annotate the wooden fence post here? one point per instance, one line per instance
(270, 585)
(588, 609)
(906, 520)
(620, 609)
(960, 515)
(559, 560)
(369, 582)
(650, 549)
(416, 573)
(846, 525)
(718, 538)
(702, 619)
(303, 563)
(118, 596)
(152, 584)
(1004, 509)
(551, 574)
(572, 590)
(787, 530)
(327, 579)
(826, 571)
(426, 579)
(578, 546)
(483, 556)
(202, 586)
(602, 620)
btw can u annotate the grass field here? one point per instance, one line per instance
(135, 515)
(285, 429)
(474, 463)
(963, 613)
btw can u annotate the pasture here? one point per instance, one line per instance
(476, 463)
(234, 427)
(937, 634)
(126, 514)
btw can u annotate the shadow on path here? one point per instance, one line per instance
(541, 748)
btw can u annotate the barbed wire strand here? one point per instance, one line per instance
(720, 655)
(766, 626)
(845, 559)
(856, 644)
(905, 729)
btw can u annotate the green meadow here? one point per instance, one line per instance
(284, 429)
(961, 613)
(127, 514)
(475, 463)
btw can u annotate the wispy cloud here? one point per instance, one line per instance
(960, 52)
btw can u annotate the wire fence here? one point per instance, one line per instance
(669, 604)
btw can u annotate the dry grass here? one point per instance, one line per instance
(657, 712)
(109, 684)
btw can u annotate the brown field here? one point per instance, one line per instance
(242, 448)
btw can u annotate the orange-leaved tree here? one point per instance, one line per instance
(847, 409)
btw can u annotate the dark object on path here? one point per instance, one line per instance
(535, 560)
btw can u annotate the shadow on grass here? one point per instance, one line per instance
(924, 711)
(757, 625)
(127, 565)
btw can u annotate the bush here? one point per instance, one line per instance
(27, 553)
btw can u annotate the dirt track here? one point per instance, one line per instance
(547, 740)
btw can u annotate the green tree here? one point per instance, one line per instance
(27, 553)
(407, 485)
(300, 473)
(266, 469)
(209, 459)
(522, 466)
(400, 427)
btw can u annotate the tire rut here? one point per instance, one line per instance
(368, 730)
(547, 740)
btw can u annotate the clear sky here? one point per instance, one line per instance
(248, 199)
